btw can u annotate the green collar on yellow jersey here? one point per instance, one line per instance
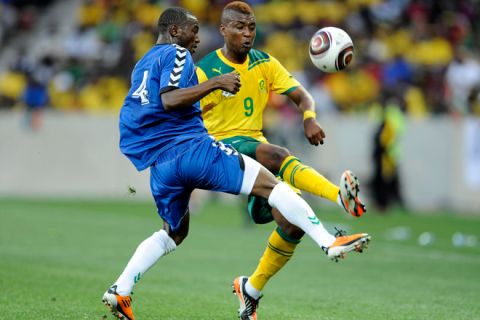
(215, 63)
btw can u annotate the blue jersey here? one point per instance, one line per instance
(146, 128)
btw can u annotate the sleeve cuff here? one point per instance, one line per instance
(166, 89)
(290, 90)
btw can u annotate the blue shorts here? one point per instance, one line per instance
(199, 164)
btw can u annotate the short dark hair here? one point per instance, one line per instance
(236, 6)
(173, 16)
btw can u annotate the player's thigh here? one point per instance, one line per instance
(170, 194)
(271, 156)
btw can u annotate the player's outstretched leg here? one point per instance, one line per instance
(120, 306)
(248, 305)
(303, 177)
(292, 207)
(349, 194)
(117, 297)
(298, 212)
(344, 244)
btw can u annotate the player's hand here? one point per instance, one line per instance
(229, 82)
(313, 131)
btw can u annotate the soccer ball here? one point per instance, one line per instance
(331, 49)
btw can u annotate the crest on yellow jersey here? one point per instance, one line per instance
(262, 86)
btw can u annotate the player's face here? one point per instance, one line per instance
(188, 35)
(239, 33)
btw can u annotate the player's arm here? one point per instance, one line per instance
(176, 98)
(283, 82)
(304, 101)
(176, 70)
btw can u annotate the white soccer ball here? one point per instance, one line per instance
(331, 49)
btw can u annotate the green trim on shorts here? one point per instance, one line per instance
(243, 144)
(259, 210)
(287, 238)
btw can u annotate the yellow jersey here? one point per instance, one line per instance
(226, 115)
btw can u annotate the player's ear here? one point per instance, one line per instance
(222, 30)
(173, 30)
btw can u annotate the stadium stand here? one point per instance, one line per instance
(76, 55)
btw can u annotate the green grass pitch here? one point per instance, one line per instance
(58, 257)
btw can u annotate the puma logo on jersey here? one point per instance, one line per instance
(219, 70)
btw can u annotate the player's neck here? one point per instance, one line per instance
(232, 57)
(164, 39)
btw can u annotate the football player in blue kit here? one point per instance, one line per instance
(161, 128)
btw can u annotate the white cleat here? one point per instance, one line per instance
(120, 306)
(349, 193)
(344, 244)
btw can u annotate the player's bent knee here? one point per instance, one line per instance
(280, 153)
(179, 234)
(272, 156)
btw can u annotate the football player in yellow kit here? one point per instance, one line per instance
(237, 120)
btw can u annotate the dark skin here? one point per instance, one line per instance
(239, 31)
(263, 186)
(186, 35)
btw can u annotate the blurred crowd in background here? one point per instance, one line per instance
(421, 55)
(414, 59)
